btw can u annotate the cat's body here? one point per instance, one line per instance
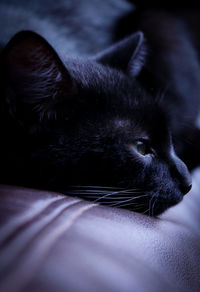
(85, 121)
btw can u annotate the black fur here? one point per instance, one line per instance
(172, 67)
(71, 124)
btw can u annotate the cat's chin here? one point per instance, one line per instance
(163, 206)
(156, 208)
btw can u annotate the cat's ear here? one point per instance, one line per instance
(127, 55)
(35, 74)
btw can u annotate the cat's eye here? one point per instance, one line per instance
(142, 147)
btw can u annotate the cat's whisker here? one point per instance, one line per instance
(87, 192)
(150, 200)
(145, 211)
(92, 192)
(153, 206)
(131, 199)
(106, 196)
(106, 188)
(113, 198)
(136, 205)
(95, 187)
(109, 204)
(115, 193)
(110, 196)
(100, 195)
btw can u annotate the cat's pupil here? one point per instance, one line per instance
(141, 147)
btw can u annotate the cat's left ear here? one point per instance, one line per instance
(127, 55)
(35, 76)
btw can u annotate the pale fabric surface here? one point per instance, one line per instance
(49, 242)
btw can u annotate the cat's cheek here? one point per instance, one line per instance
(145, 159)
(148, 162)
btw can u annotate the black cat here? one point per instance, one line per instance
(89, 123)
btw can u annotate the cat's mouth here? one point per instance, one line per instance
(137, 200)
(159, 206)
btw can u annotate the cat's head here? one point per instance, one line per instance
(88, 123)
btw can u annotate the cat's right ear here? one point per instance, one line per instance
(127, 55)
(35, 77)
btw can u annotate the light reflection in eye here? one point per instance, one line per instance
(141, 147)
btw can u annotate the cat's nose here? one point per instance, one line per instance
(182, 175)
(185, 180)
(185, 188)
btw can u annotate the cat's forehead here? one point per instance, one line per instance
(148, 120)
(124, 101)
(105, 79)
(128, 126)
(118, 123)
